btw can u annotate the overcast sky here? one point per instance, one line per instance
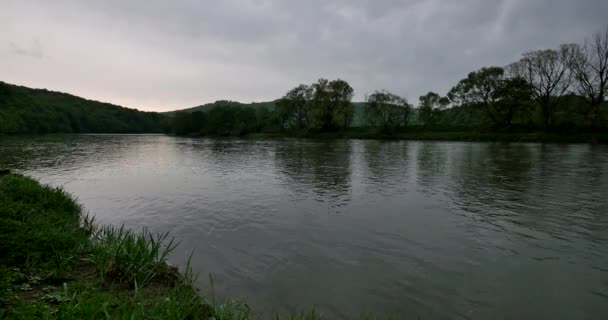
(165, 55)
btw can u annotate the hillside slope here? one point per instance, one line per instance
(358, 119)
(27, 110)
(208, 106)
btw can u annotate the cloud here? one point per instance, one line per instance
(162, 55)
(34, 50)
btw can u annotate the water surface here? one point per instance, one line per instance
(440, 230)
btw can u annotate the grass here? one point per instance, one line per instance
(129, 258)
(57, 264)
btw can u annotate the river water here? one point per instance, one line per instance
(436, 230)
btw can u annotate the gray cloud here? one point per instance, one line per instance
(162, 55)
(34, 50)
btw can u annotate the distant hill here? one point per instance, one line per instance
(208, 106)
(27, 110)
(357, 119)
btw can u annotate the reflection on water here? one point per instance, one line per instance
(430, 229)
(323, 168)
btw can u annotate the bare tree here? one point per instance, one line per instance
(548, 72)
(590, 68)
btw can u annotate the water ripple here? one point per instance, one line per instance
(423, 229)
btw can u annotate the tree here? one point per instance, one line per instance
(387, 110)
(548, 72)
(514, 97)
(265, 119)
(489, 90)
(331, 104)
(198, 122)
(430, 104)
(590, 68)
(182, 123)
(480, 89)
(26, 110)
(294, 107)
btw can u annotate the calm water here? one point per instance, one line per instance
(431, 229)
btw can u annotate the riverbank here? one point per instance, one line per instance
(469, 136)
(57, 264)
(357, 133)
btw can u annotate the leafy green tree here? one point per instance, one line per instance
(430, 104)
(332, 106)
(489, 90)
(182, 123)
(294, 108)
(230, 120)
(387, 110)
(515, 99)
(198, 122)
(266, 120)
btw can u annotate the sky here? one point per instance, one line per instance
(163, 55)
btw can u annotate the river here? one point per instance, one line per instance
(436, 230)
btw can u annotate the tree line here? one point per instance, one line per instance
(37, 111)
(562, 89)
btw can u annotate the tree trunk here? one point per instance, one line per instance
(547, 113)
(595, 115)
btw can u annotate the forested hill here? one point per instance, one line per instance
(358, 108)
(27, 110)
(208, 106)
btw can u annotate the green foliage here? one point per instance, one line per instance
(130, 258)
(294, 110)
(7, 279)
(38, 225)
(44, 238)
(332, 108)
(499, 97)
(229, 310)
(154, 291)
(225, 119)
(231, 120)
(323, 106)
(82, 301)
(514, 103)
(387, 111)
(560, 90)
(25, 110)
(430, 106)
(181, 302)
(187, 123)
(270, 105)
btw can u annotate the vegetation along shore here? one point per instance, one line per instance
(549, 95)
(57, 264)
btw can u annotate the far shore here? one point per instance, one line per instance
(462, 136)
(467, 136)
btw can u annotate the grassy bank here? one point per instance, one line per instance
(57, 264)
(356, 133)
